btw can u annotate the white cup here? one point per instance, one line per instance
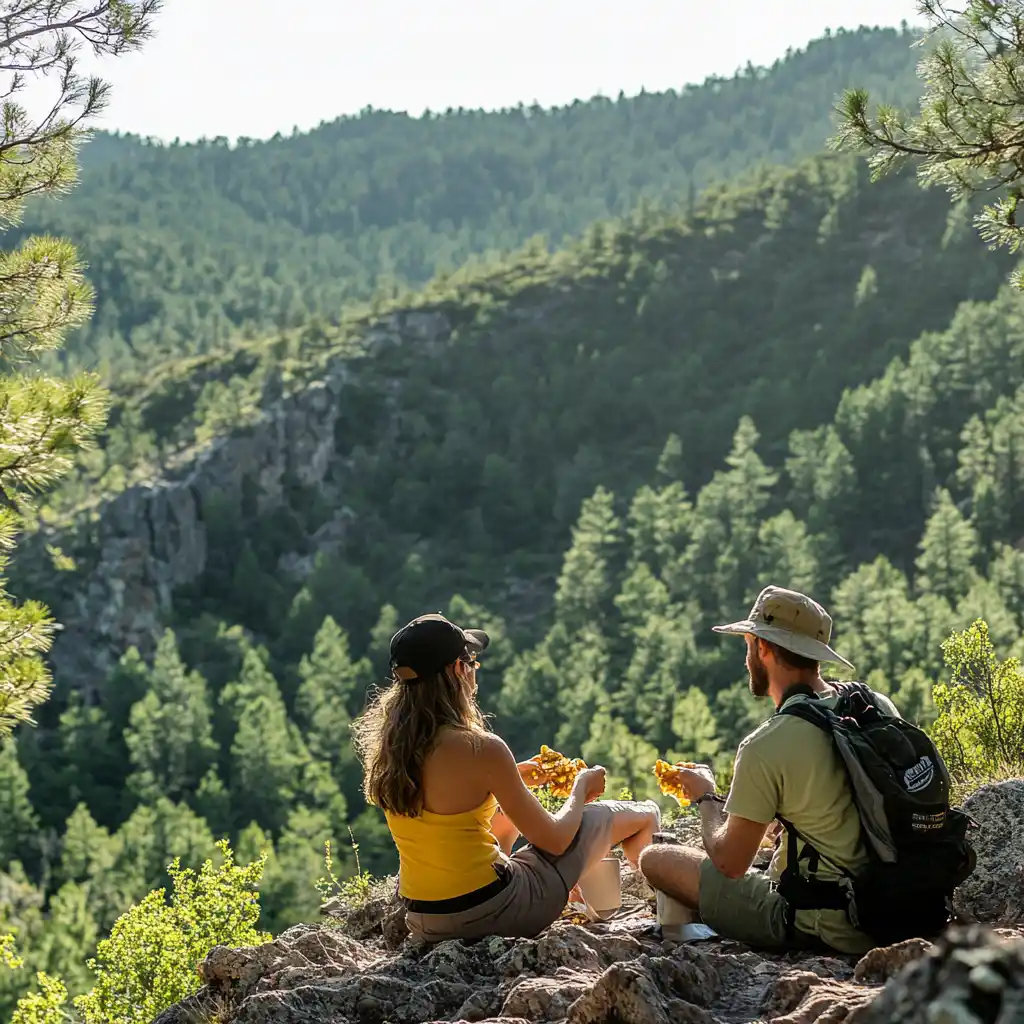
(601, 886)
(672, 914)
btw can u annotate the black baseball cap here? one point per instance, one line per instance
(426, 645)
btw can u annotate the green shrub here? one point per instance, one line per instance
(149, 961)
(979, 729)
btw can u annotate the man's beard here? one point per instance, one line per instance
(758, 675)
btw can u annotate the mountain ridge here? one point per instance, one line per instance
(189, 246)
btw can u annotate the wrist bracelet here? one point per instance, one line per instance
(709, 796)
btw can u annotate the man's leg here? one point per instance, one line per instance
(746, 908)
(675, 871)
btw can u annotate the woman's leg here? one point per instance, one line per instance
(634, 825)
(607, 823)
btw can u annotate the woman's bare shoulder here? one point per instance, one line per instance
(470, 743)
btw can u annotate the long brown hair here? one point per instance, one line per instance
(399, 729)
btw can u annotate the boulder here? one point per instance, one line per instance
(994, 893)
(971, 976)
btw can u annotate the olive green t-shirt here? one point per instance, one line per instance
(788, 767)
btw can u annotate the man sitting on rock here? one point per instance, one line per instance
(786, 768)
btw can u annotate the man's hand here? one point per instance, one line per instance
(532, 774)
(696, 781)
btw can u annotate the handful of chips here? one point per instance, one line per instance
(668, 779)
(561, 770)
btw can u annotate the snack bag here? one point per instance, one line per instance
(668, 779)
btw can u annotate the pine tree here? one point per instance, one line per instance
(44, 421)
(1007, 575)
(332, 686)
(170, 735)
(695, 728)
(384, 629)
(949, 547)
(659, 525)
(89, 854)
(786, 554)
(583, 677)
(670, 462)
(19, 833)
(628, 758)
(92, 761)
(268, 755)
(727, 520)
(289, 880)
(213, 803)
(500, 650)
(124, 687)
(965, 136)
(584, 587)
(69, 938)
(528, 705)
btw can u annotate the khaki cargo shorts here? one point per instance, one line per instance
(538, 884)
(747, 908)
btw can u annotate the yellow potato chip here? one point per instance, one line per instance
(668, 779)
(561, 770)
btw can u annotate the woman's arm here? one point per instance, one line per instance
(549, 832)
(504, 831)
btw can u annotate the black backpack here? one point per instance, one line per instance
(918, 846)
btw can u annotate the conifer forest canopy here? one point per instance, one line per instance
(588, 378)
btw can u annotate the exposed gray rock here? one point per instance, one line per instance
(994, 893)
(137, 548)
(615, 972)
(879, 965)
(970, 977)
(651, 990)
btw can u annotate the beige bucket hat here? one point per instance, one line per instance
(791, 620)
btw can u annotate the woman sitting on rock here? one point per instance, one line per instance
(439, 776)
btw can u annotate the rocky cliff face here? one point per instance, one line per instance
(151, 539)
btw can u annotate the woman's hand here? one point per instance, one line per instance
(590, 783)
(532, 774)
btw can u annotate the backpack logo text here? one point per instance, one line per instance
(920, 775)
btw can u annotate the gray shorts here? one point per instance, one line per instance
(538, 884)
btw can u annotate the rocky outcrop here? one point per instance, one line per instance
(605, 974)
(363, 968)
(137, 549)
(970, 977)
(994, 893)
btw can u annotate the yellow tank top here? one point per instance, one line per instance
(445, 855)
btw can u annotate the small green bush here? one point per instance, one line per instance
(979, 729)
(149, 961)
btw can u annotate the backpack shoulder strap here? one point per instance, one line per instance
(809, 710)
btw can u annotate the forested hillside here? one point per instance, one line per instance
(191, 245)
(596, 454)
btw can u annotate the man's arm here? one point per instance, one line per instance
(731, 842)
(732, 838)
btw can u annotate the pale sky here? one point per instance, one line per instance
(254, 67)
